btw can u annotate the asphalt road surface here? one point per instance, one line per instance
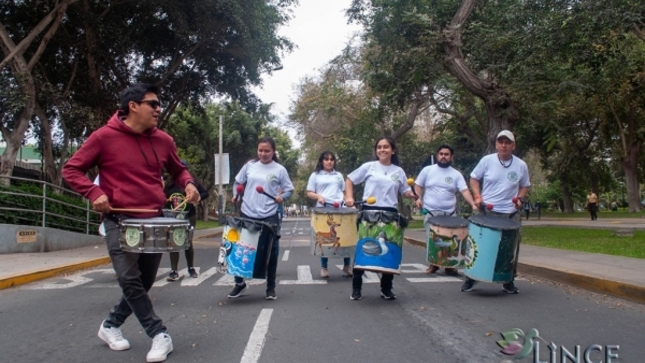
(313, 320)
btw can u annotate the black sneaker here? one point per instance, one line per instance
(468, 285)
(356, 295)
(192, 272)
(270, 295)
(510, 288)
(388, 295)
(237, 290)
(174, 276)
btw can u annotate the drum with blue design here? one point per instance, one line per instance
(380, 241)
(246, 247)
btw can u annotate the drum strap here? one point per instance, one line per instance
(444, 213)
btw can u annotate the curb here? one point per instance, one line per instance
(26, 278)
(622, 290)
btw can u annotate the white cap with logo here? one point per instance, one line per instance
(507, 134)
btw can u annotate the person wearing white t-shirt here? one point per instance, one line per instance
(436, 187)
(498, 179)
(326, 185)
(384, 179)
(264, 171)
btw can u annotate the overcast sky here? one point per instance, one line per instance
(320, 31)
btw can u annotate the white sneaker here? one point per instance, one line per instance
(161, 347)
(113, 337)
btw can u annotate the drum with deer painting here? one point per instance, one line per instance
(491, 248)
(333, 232)
(380, 244)
(246, 247)
(446, 237)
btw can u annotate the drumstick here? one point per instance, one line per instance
(180, 205)
(334, 204)
(131, 210)
(240, 191)
(369, 200)
(411, 184)
(260, 190)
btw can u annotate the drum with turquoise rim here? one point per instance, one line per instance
(155, 235)
(380, 241)
(491, 251)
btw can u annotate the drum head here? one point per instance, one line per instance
(332, 210)
(498, 223)
(247, 223)
(447, 221)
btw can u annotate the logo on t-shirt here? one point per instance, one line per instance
(272, 178)
(395, 177)
(512, 176)
(448, 180)
(339, 179)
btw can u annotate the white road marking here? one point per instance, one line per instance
(416, 268)
(228, 280)
(285, 256)
(304, 278)
(73, 281)
(189, 281)
(258, 337)
(369, 277)
(434, 279)
(163, 281)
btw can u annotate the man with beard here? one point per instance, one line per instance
(436, 186)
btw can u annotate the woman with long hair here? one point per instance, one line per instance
(326, 185)
(383, 179)
(263, 171)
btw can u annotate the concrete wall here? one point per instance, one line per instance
(44, 240)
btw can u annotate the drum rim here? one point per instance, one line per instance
(515, 224)
(158, 220)
(463, 221)
(341, 210)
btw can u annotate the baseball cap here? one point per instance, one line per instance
(507, 134)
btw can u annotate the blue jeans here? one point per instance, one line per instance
(323, 261)
(272, 266)
(136, 272)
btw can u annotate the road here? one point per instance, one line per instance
(313, 320)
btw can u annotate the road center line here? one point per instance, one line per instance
(258, 337)
(285, 256)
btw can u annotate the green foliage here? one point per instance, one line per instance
(30, 199)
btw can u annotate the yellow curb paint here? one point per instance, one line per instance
(44, 274)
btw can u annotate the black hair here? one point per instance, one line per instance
(444, 146)
(136, 93)
(324, 154)
(394, 159)
(269, 140)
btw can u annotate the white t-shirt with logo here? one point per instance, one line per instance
(381, 182)
(501, 184)
(329, 185)
(271, 177)
(439, 187)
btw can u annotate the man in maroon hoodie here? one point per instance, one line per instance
(130, 153)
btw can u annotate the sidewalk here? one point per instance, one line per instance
(619, 276)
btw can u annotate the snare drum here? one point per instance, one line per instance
(491, 248)
(446, 237)
(246, 247)
(380, 244)
(333, 231)
(155, 235)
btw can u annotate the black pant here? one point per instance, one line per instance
(593, 207)
(386, 280)
(272, 266)
(136, 272)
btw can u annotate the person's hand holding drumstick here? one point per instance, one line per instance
(102, 204)
(192, 194)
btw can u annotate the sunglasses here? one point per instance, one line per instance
(152, 103)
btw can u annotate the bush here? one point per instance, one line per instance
(31, 200)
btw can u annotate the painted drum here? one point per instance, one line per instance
(446, 241)
(380, 241)
(155, 235)
(333, 232)
(246, 247)
(491, 248)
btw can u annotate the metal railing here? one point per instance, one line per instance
(48, 190)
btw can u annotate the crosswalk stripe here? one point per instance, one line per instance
(189, 281)
(285, 256)
(228, 280)
(304, 278)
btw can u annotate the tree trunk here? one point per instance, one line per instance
(502, 113)
(51, 172)
(630, 165)
(567, 201)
